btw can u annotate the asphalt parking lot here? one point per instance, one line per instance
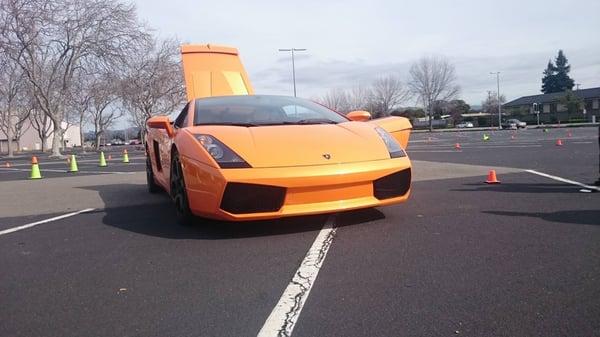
(461, 257)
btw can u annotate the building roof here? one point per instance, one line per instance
(553, 97)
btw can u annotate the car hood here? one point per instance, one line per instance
(300, 145)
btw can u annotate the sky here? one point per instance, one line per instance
(353, 42)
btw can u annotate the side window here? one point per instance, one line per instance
(182, 118)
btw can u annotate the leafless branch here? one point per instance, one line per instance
(433, 79)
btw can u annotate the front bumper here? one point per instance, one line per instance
(307, 189)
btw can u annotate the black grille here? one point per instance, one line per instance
(393, 185)
(251, 198)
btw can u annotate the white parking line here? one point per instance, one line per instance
(430, 151)
(33, 224)
(572, 182)
(282, 319)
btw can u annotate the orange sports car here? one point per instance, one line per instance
(233, 155)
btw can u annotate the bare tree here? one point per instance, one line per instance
(336, 99)
(490, 105)
(102, 109)
(433, 79)
(358, 97)
(153, 83)
(42, 124)
(53, 40)
(80, 107)
(387, 93)
(13, 102)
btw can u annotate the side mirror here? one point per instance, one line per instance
(359, 116)
(161, 122)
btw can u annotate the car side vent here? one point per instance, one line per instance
(156, 155)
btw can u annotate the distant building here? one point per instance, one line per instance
(30, 140)
(552, 111)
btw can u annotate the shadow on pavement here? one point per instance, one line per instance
(156, 217)
(579, 217)
(520, 188)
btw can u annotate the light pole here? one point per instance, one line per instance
(497, 73)
(490, 102)
(293, 64)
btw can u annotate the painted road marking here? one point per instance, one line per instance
(33, 224)
(282, 319)
(572, 182)
(478, 145)
(430, 151)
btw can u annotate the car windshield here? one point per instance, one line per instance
(260, 110)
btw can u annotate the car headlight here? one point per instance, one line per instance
(223, 155)
(392, 145)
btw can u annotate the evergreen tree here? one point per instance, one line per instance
(556, 76)
(563, 81)
(549, 79)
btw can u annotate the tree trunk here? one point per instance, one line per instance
(56, 139)
(430, 118)
(143, 136)
(62, 141)
(81, 136)
(9, 135)
(43, 143)
(98, 139)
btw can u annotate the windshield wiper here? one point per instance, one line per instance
(230, 124)
(300, 122)
(315, 121)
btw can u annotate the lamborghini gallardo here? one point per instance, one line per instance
(233, 155)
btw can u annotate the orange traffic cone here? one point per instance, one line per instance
(7, 164)
(457, 146)
(491, 179)
(559, 142)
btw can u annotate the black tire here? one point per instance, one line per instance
(183, 213)
(152, 185)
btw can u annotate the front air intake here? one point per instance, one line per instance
(393, 185)
(240, 198)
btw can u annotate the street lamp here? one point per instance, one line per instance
(497, 73)
(292, 50)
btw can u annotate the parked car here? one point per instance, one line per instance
(135, 142)
(507, 124)
(464, 125)
(232, 139)
(117, 142)
(518, 123)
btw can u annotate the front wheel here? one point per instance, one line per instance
(179, 193)
(152, 186)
